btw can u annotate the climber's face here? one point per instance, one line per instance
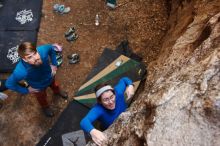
(32, 58)
(108, 100)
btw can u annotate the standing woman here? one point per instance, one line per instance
(110, 104)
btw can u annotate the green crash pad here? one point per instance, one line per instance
(110, 68)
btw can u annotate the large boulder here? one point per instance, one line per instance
(180, 104)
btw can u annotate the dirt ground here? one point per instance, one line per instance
(142, 23)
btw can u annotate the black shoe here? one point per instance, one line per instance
(73, 58)
(70, 31)
(72, 37)
(63, 94)
(48, 112)
(73, 61)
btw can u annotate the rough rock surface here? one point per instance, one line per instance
(141, 22)
(180, 104)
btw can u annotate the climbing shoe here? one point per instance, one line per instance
(72, 37)
(70, 31)
(73, 58)
(110, 5)
(73, 61)
(61, 9)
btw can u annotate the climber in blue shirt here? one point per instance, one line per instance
(110, 104)
(37, 66)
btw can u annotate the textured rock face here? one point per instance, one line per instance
(180, 104)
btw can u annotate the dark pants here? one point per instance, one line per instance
(2, 85)
(42, 95)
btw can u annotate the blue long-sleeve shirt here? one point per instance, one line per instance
(106, 116)
(38, 77)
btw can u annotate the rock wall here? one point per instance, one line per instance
(180, 104)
